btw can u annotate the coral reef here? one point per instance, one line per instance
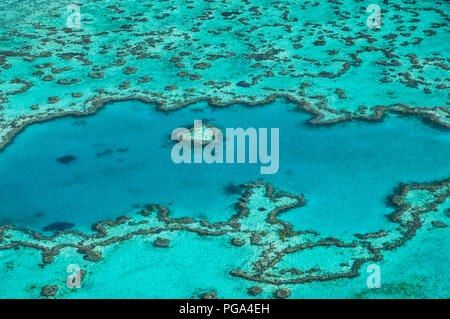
(272, 239)
(175, 53)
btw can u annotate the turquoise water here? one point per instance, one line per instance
(345, 171)
(122, 159)
(69, 173)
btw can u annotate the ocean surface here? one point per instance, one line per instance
(120, 158)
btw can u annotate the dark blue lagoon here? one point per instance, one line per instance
(72, 172)
(355, 93)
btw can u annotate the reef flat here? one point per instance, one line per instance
(176, 53)
(256, 225)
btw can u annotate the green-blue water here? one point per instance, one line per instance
(345, 171)
(323, 55)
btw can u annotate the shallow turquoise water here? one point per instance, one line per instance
(121, 155)
(345, 171)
